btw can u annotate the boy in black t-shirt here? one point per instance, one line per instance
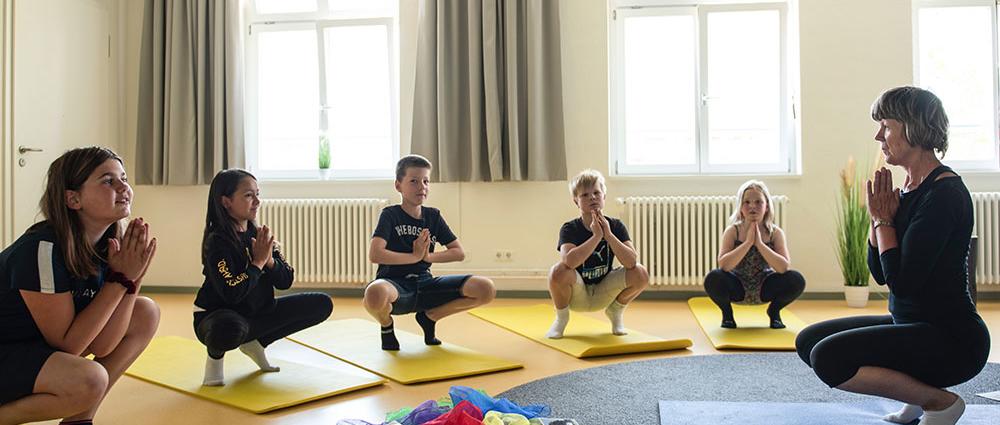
(584, 280)
(403, 248)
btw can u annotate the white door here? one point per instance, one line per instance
(62, 90)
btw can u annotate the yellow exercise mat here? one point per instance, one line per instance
(753, 333)
(584, 336)
(179, 363)
(357, 341)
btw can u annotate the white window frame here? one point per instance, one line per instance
(320, 21)
(620, 9)
(992, 164)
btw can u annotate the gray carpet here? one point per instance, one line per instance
(628, 393)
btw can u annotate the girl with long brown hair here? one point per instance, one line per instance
(69, 288)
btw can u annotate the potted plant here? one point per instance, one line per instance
(324, 157)
(853, 224)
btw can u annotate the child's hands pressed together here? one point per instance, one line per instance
(263, 246)
(422, 245)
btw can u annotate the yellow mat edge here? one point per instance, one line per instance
(380, 381)
(725, 346)
(600, 350)
(509, 366)
(637, 347)
(463, 375)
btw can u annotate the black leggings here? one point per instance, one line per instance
(224, 329)
(780, 289)
(932, 354)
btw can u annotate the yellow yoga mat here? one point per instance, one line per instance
(357, 342)
(753, 332)
(179, 364)
(584, 336)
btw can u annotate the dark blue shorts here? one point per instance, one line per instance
(20, 363)
(423, 292)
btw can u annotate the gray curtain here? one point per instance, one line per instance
(488, 95)
(190, 122)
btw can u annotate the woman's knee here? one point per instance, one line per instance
(830, 362)
(806, 340)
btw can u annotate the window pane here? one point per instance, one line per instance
(744, 87)
(285, 6)
(288, 101)
(956, 63)
(659, 84)
(359, 113)
(375, 7)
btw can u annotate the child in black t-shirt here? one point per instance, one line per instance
(235, 306)
(403, 247)
(584, 279)
(69, 288)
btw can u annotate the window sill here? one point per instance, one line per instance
(706, 177)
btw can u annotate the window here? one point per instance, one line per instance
(322, 76)
(701, 89)
(955, 56)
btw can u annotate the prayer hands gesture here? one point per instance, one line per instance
(422, 245)
(598, 224)
(132, 254)
(882, 198)
(263, 246)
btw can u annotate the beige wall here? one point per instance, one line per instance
(850, 51)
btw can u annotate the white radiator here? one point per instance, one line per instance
(325, 240)
(678, 237)
(987, 216)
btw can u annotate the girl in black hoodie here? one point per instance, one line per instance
(236, 307)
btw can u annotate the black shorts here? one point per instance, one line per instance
(20, 363)
(423, 292)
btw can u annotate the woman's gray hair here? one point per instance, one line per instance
(924, 121)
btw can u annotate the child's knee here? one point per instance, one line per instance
(482, 288)
(87, 386)
(378, 294)
(637, 276)
(560, 273)
(145, 316)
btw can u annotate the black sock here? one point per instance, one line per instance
(389, 341)
(728, 321)
(428, 326)
(776, 322)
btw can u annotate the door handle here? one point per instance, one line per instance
(24, 149)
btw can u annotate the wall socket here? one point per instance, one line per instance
(503, 256)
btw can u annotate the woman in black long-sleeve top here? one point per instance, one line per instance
(236, 307)
(918, 246)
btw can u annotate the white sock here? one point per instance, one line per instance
(907, 414)
(948, 416)
(213, 372)
(255, 352)
(615, 313)
(559, 326)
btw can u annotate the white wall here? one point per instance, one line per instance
(851, 50)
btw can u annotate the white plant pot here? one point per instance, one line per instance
(857, 296)
(324, 174)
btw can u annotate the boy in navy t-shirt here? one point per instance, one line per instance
(584, 278)
(403, 247)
